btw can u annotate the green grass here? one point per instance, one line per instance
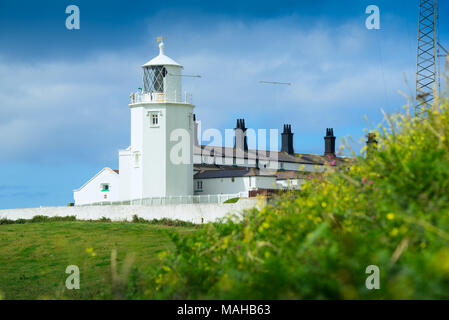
(34, 256)
(233, 200)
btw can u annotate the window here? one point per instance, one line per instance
(136, 159)
(105, 187)
(199, 186)
(154, 119)
(153, 78)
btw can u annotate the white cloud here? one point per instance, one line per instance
(63, 110)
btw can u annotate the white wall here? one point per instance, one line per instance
(173, 83)
(179, 177)
(153, 162)
(136, 181)
(125, 162)
(91, 192)
(156, 175)
(240, 184)
(222, 185)
(290, 183)
(263, 182)
(195, 213)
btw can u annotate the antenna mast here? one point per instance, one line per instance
(427, 74)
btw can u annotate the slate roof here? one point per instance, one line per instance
(265, 155)
(227, 172)
(210, 171)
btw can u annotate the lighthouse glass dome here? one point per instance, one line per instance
(153, 78)
(161, 81)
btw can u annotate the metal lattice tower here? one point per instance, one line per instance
(427, 74)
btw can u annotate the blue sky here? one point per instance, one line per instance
(64, 94)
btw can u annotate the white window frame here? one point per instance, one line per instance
(154, 115)
(190, 120)
(137, 159)
(154, 120)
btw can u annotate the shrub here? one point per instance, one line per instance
(38, 219)
(164, 221)
(6, 221)
(390, 209)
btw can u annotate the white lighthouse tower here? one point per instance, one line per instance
(159, 162)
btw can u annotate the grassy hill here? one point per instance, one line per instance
(387, 208)
(34, 257)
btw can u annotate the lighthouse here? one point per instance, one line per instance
(162, 164)
(159, 161)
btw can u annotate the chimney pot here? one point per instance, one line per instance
(240, 140)
(329, 142)
(195, 131)
(287, 140)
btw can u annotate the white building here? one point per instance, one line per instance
(164, 160)
(104, 186)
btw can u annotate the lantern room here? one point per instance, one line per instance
(162, 78)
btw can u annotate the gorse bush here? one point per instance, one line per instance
(390, 209)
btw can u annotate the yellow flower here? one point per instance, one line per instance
(390, 216)
(394, 232)
(162, 254)
(89, 250)
(165, 268)
(324, 204)
(247, 234)
(441, 260)
(225, 243)
(159, 278)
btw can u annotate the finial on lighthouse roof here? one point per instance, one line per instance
(161, 59)
(161, 48)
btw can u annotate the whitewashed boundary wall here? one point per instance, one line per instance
(196, 213)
